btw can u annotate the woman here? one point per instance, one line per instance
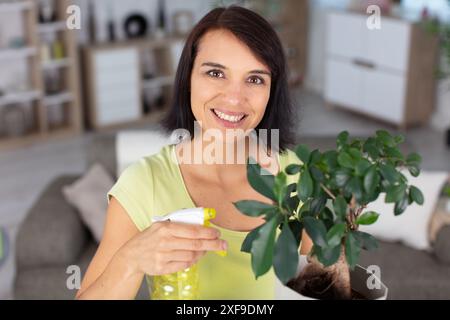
(231, 76)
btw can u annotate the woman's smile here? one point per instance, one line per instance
(227, 118)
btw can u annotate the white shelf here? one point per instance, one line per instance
(52, 27)
(19, 97)
(8, 54)
(6, 7)
(54, 64)
(54, 99)
(158, 82)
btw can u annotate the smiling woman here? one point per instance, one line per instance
(231, 76)
(232, 73)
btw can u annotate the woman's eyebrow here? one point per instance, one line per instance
(218, 65)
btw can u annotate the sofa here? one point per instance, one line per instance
(53, 236)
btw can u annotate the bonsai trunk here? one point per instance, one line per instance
(321, 282)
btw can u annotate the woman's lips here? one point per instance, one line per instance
(227, 118)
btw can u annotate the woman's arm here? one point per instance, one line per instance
(109, 275)
(125, 254)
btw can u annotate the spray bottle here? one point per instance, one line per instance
(182, 285)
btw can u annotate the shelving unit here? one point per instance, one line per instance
(41, 103)
(290, 19)
(118, 87)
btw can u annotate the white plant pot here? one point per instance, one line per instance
(358, 277)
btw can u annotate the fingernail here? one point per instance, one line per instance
(224, 245)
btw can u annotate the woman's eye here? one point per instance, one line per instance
(215, 74)
(256, 80)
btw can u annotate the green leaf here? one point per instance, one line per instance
(303, 153)
(329, 255)
(355, 187)
(262, 247)
(393, 153)
(371, 149)
(316, 231)
(316, 174)
(385, 138)
(285, 260)
(341, 176)
(345, 160)
(305, 185)
(399, 139)
(395, 193)
(315, 157)
(413, 159)
(371, 179)
(389, 173)
(297, 229)
(342, 138)
(330, 159)
(401, 205)
(416, 195)
(292, 169)
(367, 241)
(335, 234)
(352, 250)
(367, 218)
(280, 187)
(361, 167)
(414, 170)
(340, 207)
(248, 241)
(261, 180)
(318, 204)
(253, 208)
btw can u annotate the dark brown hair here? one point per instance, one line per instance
(259, 36)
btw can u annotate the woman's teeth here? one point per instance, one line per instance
(227, 117)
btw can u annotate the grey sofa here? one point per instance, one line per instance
(53, 237)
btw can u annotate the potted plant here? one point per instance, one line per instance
(329, 202)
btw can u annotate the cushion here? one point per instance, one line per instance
(442, 245)
(412, 227)
(87, 195)
(52, 233)
(131, 145)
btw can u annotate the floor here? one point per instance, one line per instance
(25, 172)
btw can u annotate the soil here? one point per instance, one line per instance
(321, 290)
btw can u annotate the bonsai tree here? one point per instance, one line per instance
(329, 202)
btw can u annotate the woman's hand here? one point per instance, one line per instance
(167, 247)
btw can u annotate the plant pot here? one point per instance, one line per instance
(359, 278)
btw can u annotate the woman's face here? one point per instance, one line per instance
(230, 87)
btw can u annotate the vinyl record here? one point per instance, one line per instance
(136, 26)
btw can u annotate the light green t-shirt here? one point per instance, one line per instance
(154, 186)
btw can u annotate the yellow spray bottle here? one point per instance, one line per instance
(181, 285)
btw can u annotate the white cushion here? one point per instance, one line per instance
(131, 145)
(87, 195)
(411, 227)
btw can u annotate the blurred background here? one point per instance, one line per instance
(83, 89)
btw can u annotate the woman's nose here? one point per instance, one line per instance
(235, 94)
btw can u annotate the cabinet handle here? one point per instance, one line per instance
(362, 63)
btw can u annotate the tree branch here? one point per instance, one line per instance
(328, 191)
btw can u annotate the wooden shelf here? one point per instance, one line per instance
(158, 82)
(60, 98)
(52, 27)
(20, 97)
(19, 53)
(7, 7)
(55, 64)
(66, 67)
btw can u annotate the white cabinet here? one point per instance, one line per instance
(386, 73)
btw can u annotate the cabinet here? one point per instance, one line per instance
(386, 73)
(130, 82)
